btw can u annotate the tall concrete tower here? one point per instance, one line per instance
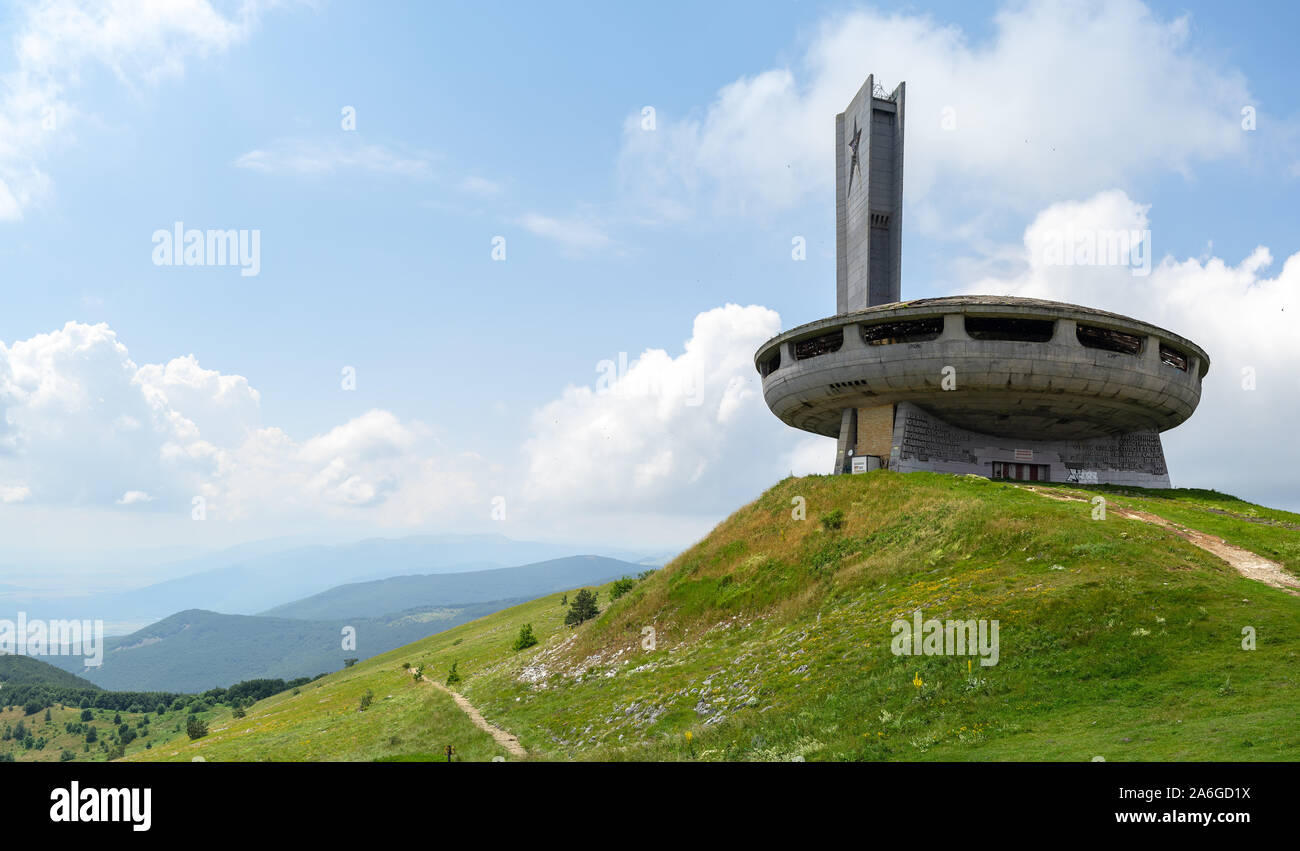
(869, 199)
(996, 386)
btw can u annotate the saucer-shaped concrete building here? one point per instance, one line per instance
(997, 386)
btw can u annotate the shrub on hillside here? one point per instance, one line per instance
(583, 608)
(621, 587)
(453, 676)
(833, 520)
(366, 700)
(196, 727)
(525, 638)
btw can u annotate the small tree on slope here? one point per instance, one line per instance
(583, 608)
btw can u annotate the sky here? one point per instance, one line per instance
(505, 266)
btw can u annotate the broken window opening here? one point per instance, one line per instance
(1013, 330)
(908, 331)
(814, 346)
(1111, 341)
(1170, 356)
(767, 366)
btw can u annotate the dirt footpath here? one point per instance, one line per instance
(1245, 562)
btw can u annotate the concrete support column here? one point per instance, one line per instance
(1151, 353)
(954, 328)
(853, 337)
(875, 432)
(1066, 333)
(848, 435)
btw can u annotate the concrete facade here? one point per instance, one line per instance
(922, 441)
(993, 375)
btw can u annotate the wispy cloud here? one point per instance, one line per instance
(56, 42)
(317, 159)
(481, 186)
(576, 235)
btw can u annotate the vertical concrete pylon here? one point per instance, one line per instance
(869, 199)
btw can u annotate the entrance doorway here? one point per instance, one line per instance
(1022, 472)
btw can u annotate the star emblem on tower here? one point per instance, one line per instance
(853, 146)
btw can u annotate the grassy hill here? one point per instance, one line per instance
(1118, 638)
(25, 670)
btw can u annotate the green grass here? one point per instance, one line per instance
(1118, 639)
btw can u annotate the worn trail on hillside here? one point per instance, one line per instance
(1245, 562)
(509, 741)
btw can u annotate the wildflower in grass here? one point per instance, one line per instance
(917, 681)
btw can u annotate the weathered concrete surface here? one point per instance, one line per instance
(869, 199)
(923, 442)
(1054, 390)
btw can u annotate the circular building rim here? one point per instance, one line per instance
(991, 306)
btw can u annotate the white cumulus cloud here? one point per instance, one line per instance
(663, 433)
(82, 425)
(1060, 98)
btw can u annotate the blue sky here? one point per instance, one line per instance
(483, 120)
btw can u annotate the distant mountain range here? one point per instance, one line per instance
(257, 581)
(197, 649)
(378, 597)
